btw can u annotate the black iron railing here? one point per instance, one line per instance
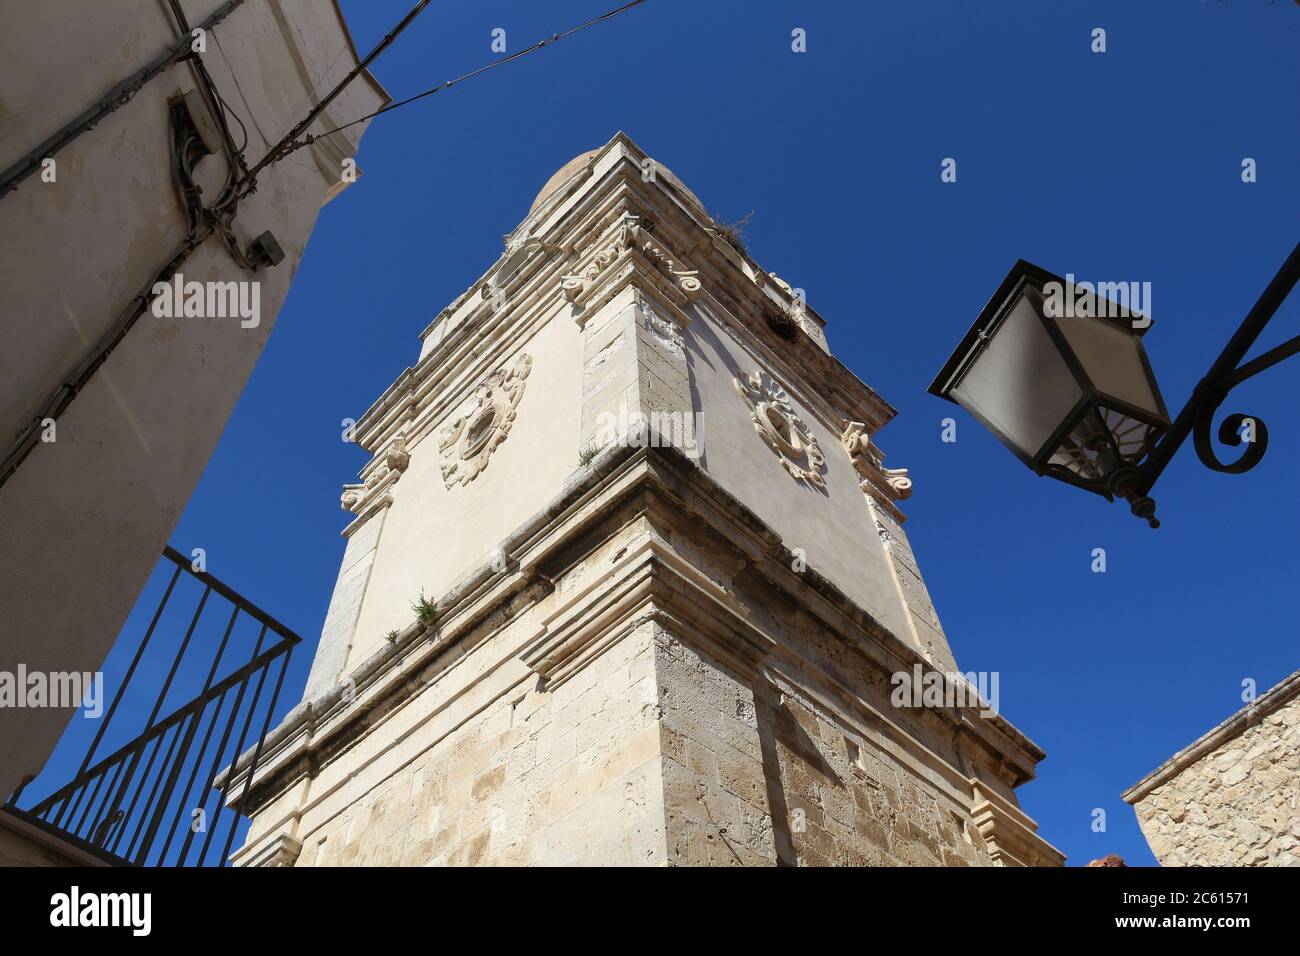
(152, 800)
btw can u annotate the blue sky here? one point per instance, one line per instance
(1122, 165)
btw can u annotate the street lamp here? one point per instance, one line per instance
(1057, 372)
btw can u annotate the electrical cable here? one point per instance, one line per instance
(221, 214)
(200, 224)
(203, 222)
(291, 144)
(274, 153)
(116, 97)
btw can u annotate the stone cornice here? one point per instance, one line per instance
(1009, 834)
(281, 851)
(620, 480)
(650, 582)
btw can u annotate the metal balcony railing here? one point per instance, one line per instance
(151, 801)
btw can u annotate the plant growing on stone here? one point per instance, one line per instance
(423, 609)
(781, 321)
(732, 231)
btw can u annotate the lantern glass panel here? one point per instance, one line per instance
(1019, 384)
(1111, 358)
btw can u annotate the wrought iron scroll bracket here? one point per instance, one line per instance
(1230, 429)
(1197, 416)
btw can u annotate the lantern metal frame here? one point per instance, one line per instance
(1092, 398)
(1132, 478)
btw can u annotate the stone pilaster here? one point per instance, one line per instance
(369, 501)
(635, 378)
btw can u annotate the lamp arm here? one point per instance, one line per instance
(1197, 416)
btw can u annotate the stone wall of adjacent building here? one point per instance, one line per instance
(1237, 805)
(111, 473)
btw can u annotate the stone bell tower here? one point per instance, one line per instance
(626, 583)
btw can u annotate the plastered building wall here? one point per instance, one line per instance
(85, 517)
(424, 544)
(833, 526)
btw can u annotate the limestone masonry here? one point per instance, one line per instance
(560, 637)
(1230, 798)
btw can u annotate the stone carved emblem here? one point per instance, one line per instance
(467, 441)
(687, 280)
(885, 485)
(781, 429)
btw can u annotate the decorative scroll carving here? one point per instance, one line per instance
(387, 467)
(781, 429)
(629, 235)
(688, 280)
(885, 485)
(524, 243)
(467, 441)
(575, 284)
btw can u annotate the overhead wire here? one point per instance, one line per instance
(277, 151)
(295, 140)
(217, 218)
